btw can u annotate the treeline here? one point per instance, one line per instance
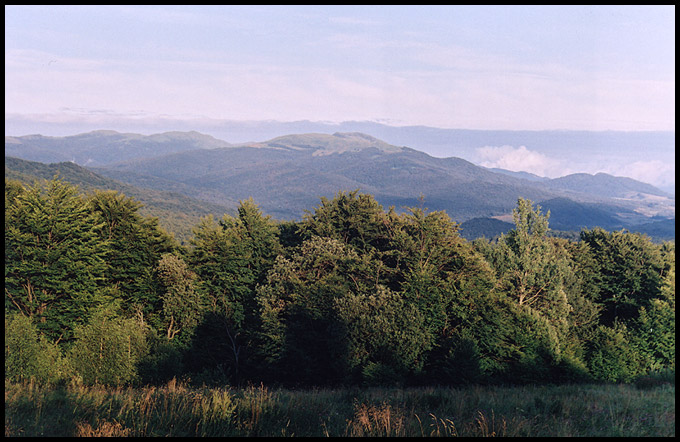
(350, 295)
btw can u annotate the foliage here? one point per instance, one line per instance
(610, 356)
(231, 258)
(54, 258)
(385, 335)
(28, 355)
(177, 213)
(301, 336)
(183, 304)
(655, 327)
(629, 268)
(351, 295)
(108, 348)
(136, 244)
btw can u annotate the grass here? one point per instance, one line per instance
(177, 410)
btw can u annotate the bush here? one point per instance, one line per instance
(376, 374)
(108, 349)
(162, 363)
(655, 379)
(610, 357)
(28, 355)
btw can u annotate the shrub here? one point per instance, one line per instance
(610, 357)
(108, 349)
(28, 355)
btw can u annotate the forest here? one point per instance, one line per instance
(351, 295)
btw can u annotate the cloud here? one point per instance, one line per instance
(655, 172)
(520, 159)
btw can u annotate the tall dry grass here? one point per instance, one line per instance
(178, 410)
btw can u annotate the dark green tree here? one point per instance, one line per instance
(580, 287)
(629, 269)
(611, 355)
(654, 330)
(55, 267)
(302, 338)
(386, 337)
(351, 217)
(136, 244)
(231, 258)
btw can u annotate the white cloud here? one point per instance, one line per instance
(520, 159)
(654, 172)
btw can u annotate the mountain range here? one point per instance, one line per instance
(288, 174)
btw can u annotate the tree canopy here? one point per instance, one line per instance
(352, 294)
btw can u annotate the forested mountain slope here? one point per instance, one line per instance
(288, 174)
(176, 212)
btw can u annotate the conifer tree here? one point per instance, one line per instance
(55, 266)
(136, 244)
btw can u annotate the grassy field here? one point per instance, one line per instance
(177, 410)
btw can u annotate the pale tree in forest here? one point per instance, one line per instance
(532, 271)
(183, 304)
(535, 269)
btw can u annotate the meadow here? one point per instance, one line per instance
(644, 408)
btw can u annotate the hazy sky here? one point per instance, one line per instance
(471, 67)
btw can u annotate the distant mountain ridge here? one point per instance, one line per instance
(603, 184)
(288, 174)
(101, 147)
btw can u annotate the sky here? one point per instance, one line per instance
(465, 67)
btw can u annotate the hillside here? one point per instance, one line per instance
(176, 212)
(102, 147)
(602, 184)
(488, 228)
(288, 174)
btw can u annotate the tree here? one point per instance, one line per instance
(136, 244)
(582, 293)
(13, 188)
(629, 269)
(386, 338)
(532, 267)
(183, 304)
(655, 327)
(55, 267)
(611, 357)
(232, 258)
(301, 338)
(353, 218)
(432, 258)
(534, 273)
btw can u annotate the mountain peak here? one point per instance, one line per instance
(324, 144)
